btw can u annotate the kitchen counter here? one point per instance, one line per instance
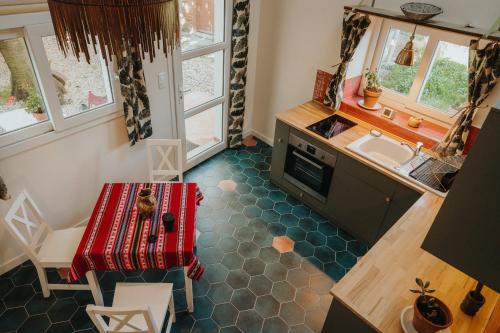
(309, 113)
(376, 289)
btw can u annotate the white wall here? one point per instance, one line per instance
(296, 37)
(65, 176)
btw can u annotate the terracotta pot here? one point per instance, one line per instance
(371, 97)
(422, 325)
(40, 116)
(146, 202)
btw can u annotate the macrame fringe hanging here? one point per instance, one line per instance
(115, 25)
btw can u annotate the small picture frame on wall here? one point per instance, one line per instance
(389, 113)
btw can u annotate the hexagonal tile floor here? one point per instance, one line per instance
(248, 286)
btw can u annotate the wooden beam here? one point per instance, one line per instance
(440, 25)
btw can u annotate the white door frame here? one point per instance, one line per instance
(224, 100)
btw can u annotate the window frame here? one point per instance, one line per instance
(36, 129)
(56, 126)
(409, 103)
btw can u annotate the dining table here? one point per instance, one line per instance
(119, 238)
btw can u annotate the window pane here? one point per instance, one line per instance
(80, 86)
(202, 23)
(445, 86)
(202, 79)
(203, 130)
(396, 77)
(21, 104)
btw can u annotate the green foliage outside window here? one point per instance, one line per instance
(446, 86)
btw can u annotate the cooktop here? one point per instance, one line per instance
(331, 126)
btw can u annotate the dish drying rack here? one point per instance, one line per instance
(434, 170)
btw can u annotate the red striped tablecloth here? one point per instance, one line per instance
(116, 237)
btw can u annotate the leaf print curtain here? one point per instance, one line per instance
(354, 27)
(239, 60)
(484, 70)
(135, 98)
(4, 193)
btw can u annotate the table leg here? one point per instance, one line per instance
(95, 288)
(189, 290)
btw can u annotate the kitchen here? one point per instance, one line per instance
(337, 163)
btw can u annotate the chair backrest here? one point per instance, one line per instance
(25, 222)
(130, 320)
(164, 159)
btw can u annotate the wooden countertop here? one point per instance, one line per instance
(377, 287)
(309, 113)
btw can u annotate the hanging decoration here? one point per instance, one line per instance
(114, 25)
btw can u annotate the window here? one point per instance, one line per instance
(445, 86)
(42, 91)
(80, 86)
(21, 103)
(396, 77)
(436, 85)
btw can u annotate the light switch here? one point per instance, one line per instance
(162, 80)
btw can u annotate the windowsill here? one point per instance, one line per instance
(46, 138)
(429, 133)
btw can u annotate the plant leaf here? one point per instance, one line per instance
(415, 291)
(419, 282)
(430, 291)
(427, 284)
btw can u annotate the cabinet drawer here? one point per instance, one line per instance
(366, 174)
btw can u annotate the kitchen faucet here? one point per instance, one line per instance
(418, 147)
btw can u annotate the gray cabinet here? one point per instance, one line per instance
(402, 200)
(281, 134)
(360, 199)
(365, 202)
(340, 319)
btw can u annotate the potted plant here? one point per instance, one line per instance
(430, 314)
(372, 89)
(33, 105)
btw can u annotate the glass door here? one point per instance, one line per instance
(201, 74)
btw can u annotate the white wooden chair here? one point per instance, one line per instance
(45, 247)
(137, 307)
(164, 159)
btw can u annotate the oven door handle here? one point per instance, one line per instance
(307, 160)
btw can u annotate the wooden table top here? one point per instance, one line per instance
(377, 287)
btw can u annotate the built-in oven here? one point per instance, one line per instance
(309, 168)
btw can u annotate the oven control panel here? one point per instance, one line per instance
(312, 150)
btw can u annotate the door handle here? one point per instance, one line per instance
(305, 159)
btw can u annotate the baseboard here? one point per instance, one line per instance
(261, 136)
(16, 261)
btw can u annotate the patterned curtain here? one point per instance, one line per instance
(354, 27)
(239, 60)
(135, 98)
(484, 70)
(4, 193)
